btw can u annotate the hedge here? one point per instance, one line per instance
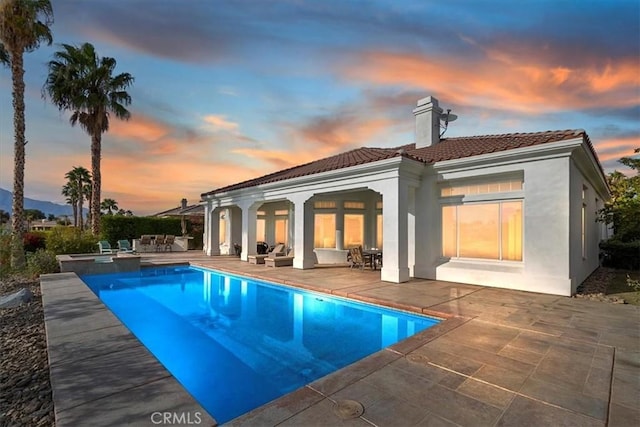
(618, 254)
(119, 227)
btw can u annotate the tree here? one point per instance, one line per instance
(77, 189)
(109, 205)
(71, 195)
(4, 216)
(83, 83)
(34, 214)
(79, 185)
(24, 24)
(623, 209)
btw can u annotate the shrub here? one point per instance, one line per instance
(117, 227)
(33, 240)
(618, 254)
(70, 240)
(42, 262)
(5, 252)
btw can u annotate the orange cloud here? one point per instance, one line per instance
(615, 148)
(502, 81)
(343, 130)
(278, 159)
(218, 122)
(139, 127)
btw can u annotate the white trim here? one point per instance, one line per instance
(350, 178)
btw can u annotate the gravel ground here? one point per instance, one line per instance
(25, 390)
(595, 287)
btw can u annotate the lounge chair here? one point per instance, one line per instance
(278, 250)
(168, 242)
(279, 261)
(105, 248)
(145, 242)
(159, 242)
(125, 247)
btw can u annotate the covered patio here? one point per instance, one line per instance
(321, 216)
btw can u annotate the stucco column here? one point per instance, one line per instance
(303, 231)
(340, 224)
(249, 217)
(213, 238)
(395, 211)
(206, 232)
(411, 231)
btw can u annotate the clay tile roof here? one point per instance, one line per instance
(355, 157)
(457, 148)
(447, 149)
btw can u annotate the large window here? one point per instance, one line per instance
(483, 230)
(282, 231)
(482, 188)
(324, 230)
(353, 230)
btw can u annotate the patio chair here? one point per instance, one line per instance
(278, 250)
(145, 242)
(159, 242)
(125, 247)
(280, 261)
(104, 247)
(358, 259)
(168, 242)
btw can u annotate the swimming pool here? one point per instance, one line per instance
(236, 343)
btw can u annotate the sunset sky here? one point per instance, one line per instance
(230, 90)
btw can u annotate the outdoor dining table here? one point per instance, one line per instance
(375, 256)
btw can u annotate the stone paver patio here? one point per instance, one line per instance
(500, 358)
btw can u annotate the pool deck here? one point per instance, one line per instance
(501, 358)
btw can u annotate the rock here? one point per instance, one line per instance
(15, 299)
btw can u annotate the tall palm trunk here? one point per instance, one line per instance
(74, 206)
(17, 220)
(79, 185)
(94, 208)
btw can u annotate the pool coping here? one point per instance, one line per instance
(78, 325)
(96, 363)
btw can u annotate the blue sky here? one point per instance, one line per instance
(229, 90)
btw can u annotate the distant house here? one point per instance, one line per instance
(192, 213)
(42, 225)
(513, 211)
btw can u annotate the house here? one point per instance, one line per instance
(42, 225)
(512, 211)
(194, 214)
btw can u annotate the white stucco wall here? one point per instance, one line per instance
(582, 265)
(552, 252)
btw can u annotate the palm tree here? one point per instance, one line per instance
(79, 182)
(83, 83)
(24, 24)
(71, 195)
(109, 205)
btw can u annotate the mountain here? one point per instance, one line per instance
(46, 207)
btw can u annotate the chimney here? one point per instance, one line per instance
(427, 122)
(183, 203)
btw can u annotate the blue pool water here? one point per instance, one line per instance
(236, 343)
